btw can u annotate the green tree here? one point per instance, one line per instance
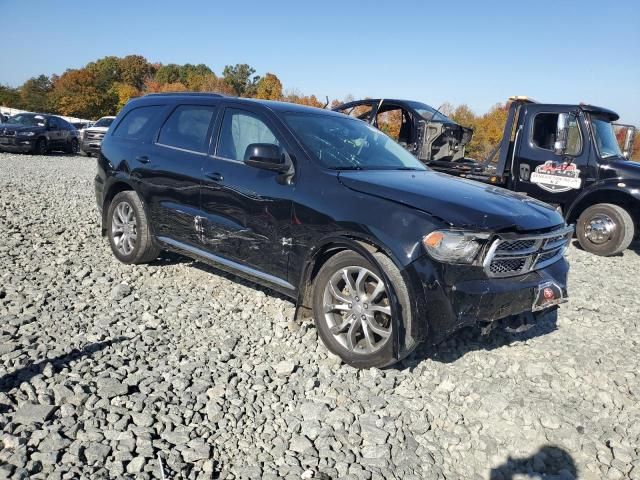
(34, 94)
(9, 96)
(169, 73)
(241, 79)
(269, 87)
(134, 70)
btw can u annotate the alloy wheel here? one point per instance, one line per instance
(357, 310)
(124, 229)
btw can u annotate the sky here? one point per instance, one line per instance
(473, 52)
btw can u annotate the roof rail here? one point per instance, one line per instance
(187, 94)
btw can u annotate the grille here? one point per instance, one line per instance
(94, 135)
(518, 254)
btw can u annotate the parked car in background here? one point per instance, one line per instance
(331, 212)
(3, 117)
(92, 136)
(37, 133)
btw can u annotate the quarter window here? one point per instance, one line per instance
(544, 133)
(135, 123)
(187, 128)
(239, 130)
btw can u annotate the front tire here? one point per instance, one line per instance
(40, 147)
(128, 230)
(351, 308)
(605, 229)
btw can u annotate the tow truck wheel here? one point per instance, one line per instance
(605, 229)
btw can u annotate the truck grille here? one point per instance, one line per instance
(512, 254)
(94, 135)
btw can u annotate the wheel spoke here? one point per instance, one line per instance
(362, 275)
(352, 333)
(381, 308)
(376, 291)
(349, 282)
(336, 294)
(341, 328)
(368, 338)
(374, 327)
(339, 307)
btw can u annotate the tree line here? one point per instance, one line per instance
(104, 86)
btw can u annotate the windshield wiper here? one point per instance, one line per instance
(351, 167)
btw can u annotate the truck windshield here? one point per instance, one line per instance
(605, 138)
(103, 122)
(343, 143)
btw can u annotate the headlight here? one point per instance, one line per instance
(454, 246)
(26, 134)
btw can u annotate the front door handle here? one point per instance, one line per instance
(215, 176)
(143, 159)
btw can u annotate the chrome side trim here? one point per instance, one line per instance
(227, 263)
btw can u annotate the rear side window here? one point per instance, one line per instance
(137, 121)
(187, 128)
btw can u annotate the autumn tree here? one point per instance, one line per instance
(9, 97)
(241, 79)
(34, 94)
(76, 94)
(124, 92)
(269, 87)
(134, 70)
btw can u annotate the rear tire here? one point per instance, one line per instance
(605, 229)
(354, 321)
(128, 230)
(72, 147)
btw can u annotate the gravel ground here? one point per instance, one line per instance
(176, 369)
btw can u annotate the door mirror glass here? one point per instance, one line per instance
(266, 156)
(562, 133)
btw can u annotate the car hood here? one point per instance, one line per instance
(96, 129)
(19, 128)
(458, 202)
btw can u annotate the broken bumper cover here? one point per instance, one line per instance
(448, 297)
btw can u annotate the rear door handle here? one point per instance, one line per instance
(143, 159)
(215, 176)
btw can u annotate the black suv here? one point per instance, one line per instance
(329, 211)
(37, 133)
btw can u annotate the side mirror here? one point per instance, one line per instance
(628, 142)
(266, 156)
(562, 131)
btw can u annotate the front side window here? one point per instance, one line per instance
(135, 123)
(544, 133)
(342, 143)
(53, 123)
(362, 111)
(28, 120)
(187, 128)
(239, 130)
(605, 138)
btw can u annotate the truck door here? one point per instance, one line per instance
(541, 173)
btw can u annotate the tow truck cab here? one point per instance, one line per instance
(565, 155)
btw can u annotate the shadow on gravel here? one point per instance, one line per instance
(170, 258)
(470, 339)
(26, 373)
(549, 462)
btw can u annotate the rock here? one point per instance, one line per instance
(31, 413)
(285, 368)
(120, 291)
(136, 465)
(96, 452)
(198, 450)
(111, 387)
(142, 419)
(300, 444)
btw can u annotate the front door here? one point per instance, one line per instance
(538, 171)
(247, 210)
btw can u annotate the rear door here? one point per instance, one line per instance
(537, 170)
(172, 173)
(54, 131)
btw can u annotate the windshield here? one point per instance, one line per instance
(428, 113)
(27, 120)
(103, 122)
(343, 143)
(605, 138)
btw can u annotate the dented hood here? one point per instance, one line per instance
(459, 202)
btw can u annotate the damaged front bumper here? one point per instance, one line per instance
(449, 297)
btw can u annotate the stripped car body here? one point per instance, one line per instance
(425, 132)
